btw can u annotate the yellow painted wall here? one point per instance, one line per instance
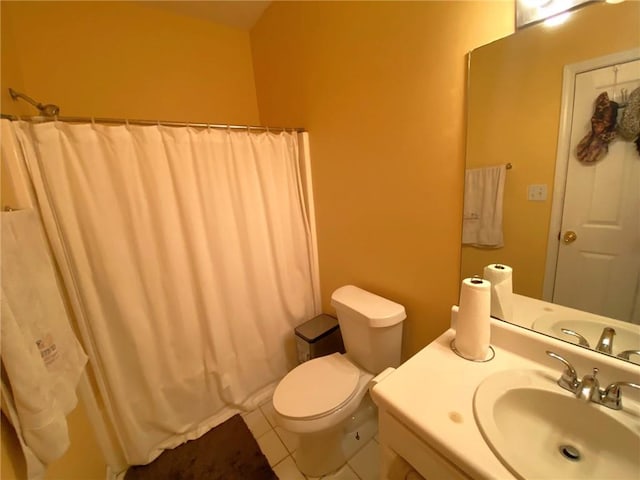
(117, 59)
(515, 100)
(83, 461)
(381, 88)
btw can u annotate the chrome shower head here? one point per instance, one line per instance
(48, 110)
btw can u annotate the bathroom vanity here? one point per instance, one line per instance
(442, 416)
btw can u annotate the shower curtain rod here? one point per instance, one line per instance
(124, 121)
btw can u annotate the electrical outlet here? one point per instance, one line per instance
(537, 193)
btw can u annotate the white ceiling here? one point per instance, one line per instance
(233, 13)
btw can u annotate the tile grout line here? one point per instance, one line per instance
(347, 466)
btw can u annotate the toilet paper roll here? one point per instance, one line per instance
(500, 277)
(473, 327)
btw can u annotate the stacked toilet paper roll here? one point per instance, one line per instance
(500, 277)
(473, 327)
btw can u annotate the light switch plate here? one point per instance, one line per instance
(537, 193)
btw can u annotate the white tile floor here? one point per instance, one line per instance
(279, 447)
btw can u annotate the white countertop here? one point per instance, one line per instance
(432, 392)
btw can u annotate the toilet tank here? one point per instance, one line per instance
(371, 327)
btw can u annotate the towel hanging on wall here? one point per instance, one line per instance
(483, 200)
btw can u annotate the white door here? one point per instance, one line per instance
(599, 271)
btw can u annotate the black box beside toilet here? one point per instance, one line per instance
(318, 337)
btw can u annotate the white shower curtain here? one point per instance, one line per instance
(188, 259)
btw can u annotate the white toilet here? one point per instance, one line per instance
(321, 400)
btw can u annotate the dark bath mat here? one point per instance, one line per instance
(227, 452)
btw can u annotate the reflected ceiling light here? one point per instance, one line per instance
(529, 12)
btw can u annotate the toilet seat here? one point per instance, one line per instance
(317, 387)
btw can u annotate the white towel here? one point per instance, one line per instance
(42, 357)
(483, 199)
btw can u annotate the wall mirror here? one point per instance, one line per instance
(515, 116)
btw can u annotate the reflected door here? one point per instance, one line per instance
(598, 268)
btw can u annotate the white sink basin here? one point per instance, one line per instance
(538, 430)
(627, 335)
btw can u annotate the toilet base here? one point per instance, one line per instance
(325, 452)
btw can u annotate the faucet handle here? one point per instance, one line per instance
(581, 340)
(569, 379)
(612, 398)
(627, 354)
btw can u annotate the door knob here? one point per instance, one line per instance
(569, 237)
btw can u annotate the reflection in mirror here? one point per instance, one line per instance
(515, 114)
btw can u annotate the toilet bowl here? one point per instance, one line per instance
(323, 401)
(319, 394)
(317, 401)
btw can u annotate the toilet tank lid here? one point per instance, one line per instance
(380, 311)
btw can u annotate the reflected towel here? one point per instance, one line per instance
(43, 359)
(483, 199)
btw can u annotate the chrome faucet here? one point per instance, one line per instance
(588, 389)
(605, 344)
